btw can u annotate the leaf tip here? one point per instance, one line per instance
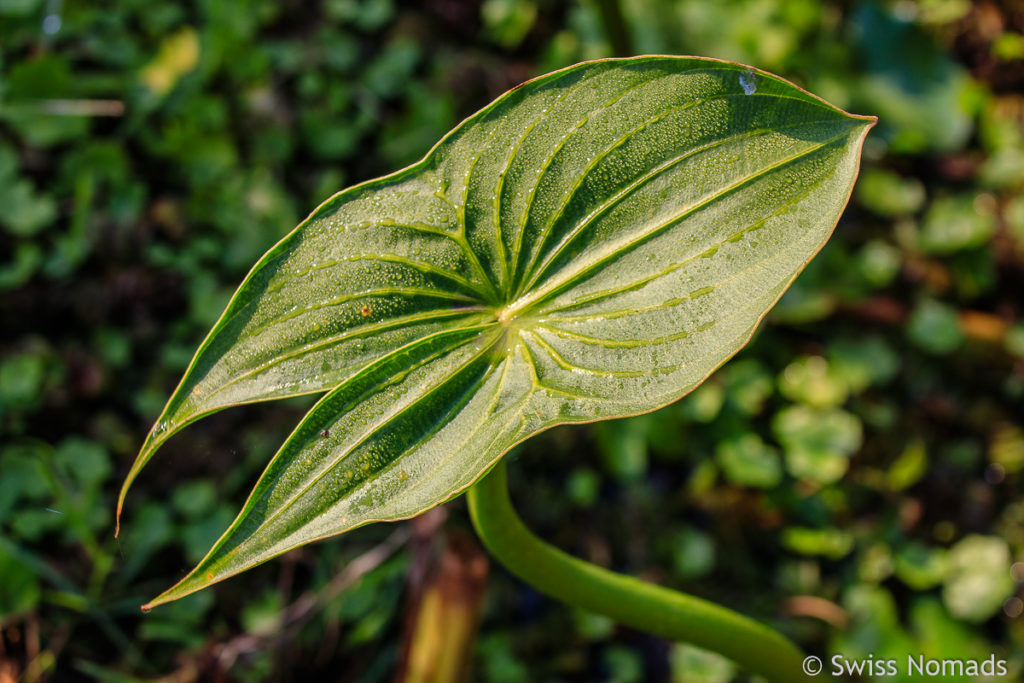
(867, 121)
(149, 447)
(163, 598)
(191, 583)
(120, 501)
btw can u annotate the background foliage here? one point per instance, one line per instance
(853, 476)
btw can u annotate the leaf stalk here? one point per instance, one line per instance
(625, 599)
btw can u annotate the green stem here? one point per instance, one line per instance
(627, 600)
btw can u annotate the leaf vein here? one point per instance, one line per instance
(333, 462)
(531, 277)
(784, 207)
(557, 286)
(351, 333)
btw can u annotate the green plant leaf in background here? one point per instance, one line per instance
(591, 245)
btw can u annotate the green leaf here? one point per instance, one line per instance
(694, 553)
(591, 245)
(889, 194)
(978, 577)
(831, 543)
(818, 443)
(879, 262)
(920, 567)
(814, 381)
(748, 461)
(935, 328)
(699, 666)
(956, 223)
(86, 462)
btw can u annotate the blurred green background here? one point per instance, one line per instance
(853, 477)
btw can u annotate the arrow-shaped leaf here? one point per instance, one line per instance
(591, 245)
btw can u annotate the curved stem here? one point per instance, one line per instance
(627, 600)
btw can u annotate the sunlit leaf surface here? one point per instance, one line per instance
(592, 244)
